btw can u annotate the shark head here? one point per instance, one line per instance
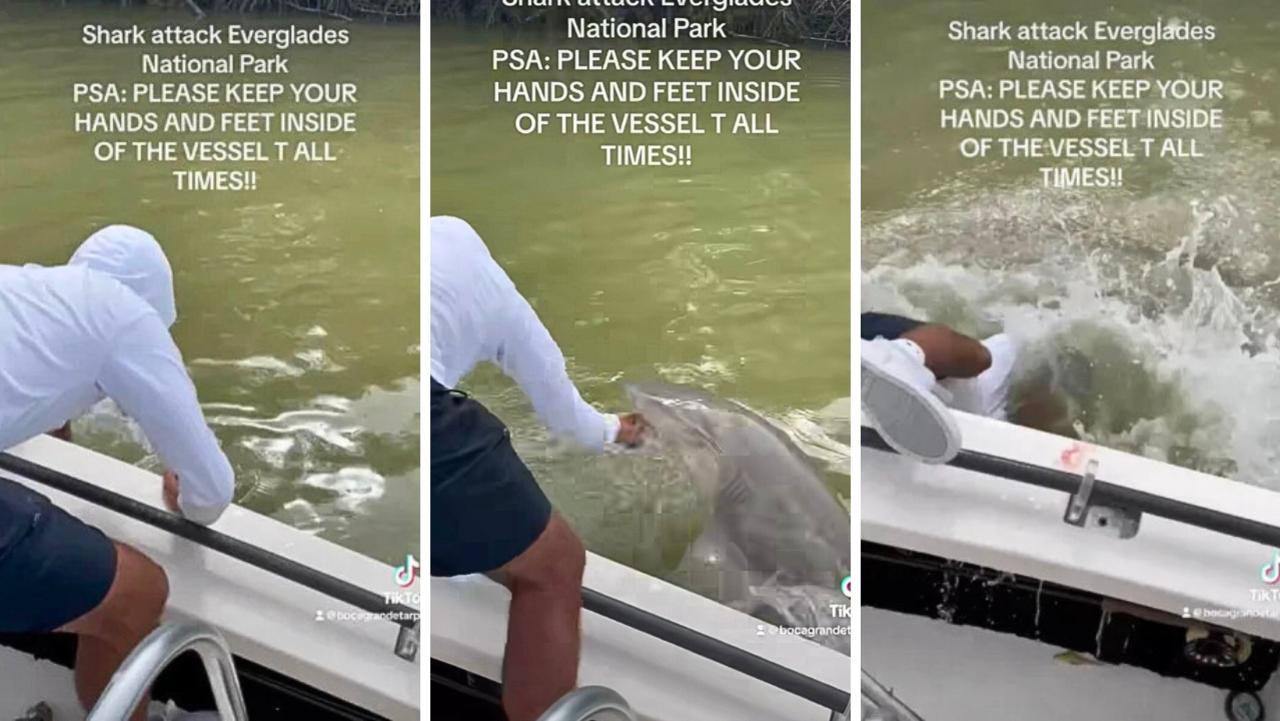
(684, 426)
(676, 418)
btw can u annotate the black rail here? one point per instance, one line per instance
(713, 649)
(1104, 494)
(319, 581)
(693, 641)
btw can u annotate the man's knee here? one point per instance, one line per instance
(556, 560)
(564, 558)
(574, 558)
(133, 604)
(148, 578)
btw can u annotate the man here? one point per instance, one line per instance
(70, 335)
(488, 514)
(910, 367)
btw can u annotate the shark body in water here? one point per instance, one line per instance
(776, 542)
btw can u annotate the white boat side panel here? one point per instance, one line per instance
(266, 619)
(1018, 528)
(25, 681)
(1270, 694)
(963, 673)
(661, 681)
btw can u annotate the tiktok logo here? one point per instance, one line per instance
(1271, 571)
(408, 573)
(847, 586)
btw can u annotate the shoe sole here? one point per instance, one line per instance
(913, 423)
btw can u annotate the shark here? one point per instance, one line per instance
(774, 538)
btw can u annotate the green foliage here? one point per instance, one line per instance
(344, 9)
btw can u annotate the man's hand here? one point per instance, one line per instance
(171, 491)
(632, 428)
(63, 433)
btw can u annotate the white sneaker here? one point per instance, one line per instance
(897, 391)
(988, 393)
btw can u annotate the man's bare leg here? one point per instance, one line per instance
(543, 634)
(130, 611)
(949, 354)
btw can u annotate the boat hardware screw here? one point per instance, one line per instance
(1244, 706)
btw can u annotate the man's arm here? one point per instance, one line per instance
(63, 433)
(145, 376)
(529, 355)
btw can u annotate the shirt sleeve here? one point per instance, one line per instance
(529, 355)
(145, 376)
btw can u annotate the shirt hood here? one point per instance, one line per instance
(133, 257)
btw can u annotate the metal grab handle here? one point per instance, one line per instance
(155, 652)
(589, 703)
(879, 703)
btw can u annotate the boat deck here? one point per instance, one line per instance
(26, 681)
(964, 673)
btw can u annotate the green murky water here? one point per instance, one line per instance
(1147, 313)
(298, 302)
(730, 274)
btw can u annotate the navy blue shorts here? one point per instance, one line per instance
(486, 507)
(885, 325)
(54, 568)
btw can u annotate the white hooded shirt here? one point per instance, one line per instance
(99, 326)
(478, 315)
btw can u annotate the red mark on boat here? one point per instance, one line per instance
(1072, 456)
